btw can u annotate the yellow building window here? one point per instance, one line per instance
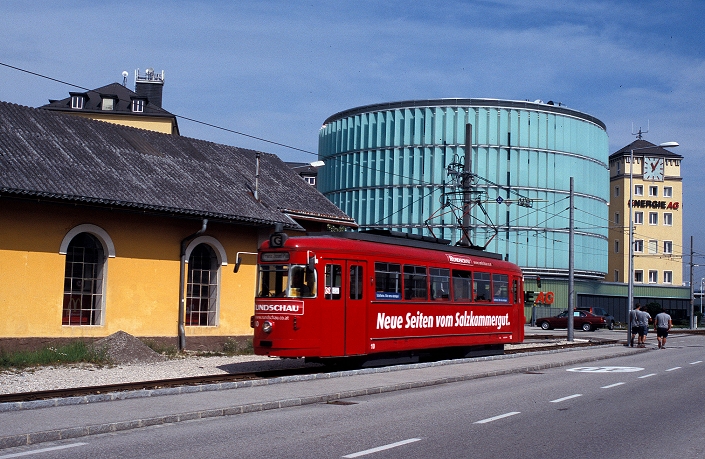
(83, 281)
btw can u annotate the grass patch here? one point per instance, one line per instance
(75, 352)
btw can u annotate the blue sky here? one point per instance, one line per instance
(278, 69)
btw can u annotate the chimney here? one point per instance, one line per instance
(150, 86)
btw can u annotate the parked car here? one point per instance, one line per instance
(582, 320)
(609, 319)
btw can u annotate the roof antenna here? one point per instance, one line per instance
(124, 78)
(639, 134)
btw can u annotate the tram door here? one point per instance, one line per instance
(345, 304)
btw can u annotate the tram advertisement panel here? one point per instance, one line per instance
(393, 324)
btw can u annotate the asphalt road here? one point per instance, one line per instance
(648, 404)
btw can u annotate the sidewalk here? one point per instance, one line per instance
(49, 420)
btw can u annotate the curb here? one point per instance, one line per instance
(77, 432)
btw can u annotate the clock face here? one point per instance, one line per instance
(653, 168)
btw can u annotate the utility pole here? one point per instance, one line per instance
(571, 263)
(467, 184)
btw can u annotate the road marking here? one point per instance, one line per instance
(696, 362)
(605, 369)
(43, 450)
(647, 376)
(382, 448)
(495, 418)
(612, 385)
(566, 398)
(674, 368)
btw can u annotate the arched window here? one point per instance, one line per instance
(202, 286)
(83, 281)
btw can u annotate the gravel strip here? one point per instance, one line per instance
(65, 377)
(83, 375)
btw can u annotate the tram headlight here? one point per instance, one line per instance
(267, 326)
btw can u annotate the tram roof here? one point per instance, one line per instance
(407, 240)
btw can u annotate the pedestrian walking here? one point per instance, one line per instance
(634, 323)
(662, 324)
(644, 319)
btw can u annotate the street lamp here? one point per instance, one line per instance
(630, 288)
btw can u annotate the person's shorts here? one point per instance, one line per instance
(662, 332)
(643, 330)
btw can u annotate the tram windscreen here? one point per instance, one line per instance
(291, 281)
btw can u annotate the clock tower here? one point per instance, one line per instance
(657, 214)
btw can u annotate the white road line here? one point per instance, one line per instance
(674, 368)
(43, 450)
(382, 448)
(647, 376)
(566, 398)
(696, 362)
(612, 385)
(495, 418)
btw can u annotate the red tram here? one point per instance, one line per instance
(332, 295)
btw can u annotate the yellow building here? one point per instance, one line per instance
(115, 103)
(657, 197)
(106, 228)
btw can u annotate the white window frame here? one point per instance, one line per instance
(639, 276)
(667, 219)
(653, 276)
(78, 102)
(639, 246)
(653, 246)
(653, 218)
(668, 277)
(138, 105)
(668, 247)
(653, 190)
(107, 104)
(668, 192)
(639, 218)
(638, 190)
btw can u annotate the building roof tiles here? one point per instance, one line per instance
(53, 156)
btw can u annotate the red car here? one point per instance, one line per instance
(581, 320)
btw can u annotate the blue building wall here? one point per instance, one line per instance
(386, 166)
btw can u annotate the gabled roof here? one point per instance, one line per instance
(123, 103)
(74, 159)
(642, 148)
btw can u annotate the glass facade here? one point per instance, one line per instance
(387, 166)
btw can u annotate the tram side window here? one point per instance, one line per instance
(387, 281)
(415, 283)
(462, 285)
(272, 280)
(500, 283)
(334, 280)
(356, 282)
(440, 283)
(303, 282)
(481, 284)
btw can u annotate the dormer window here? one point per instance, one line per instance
(138, 105)
(77, 101)
(107, 103)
